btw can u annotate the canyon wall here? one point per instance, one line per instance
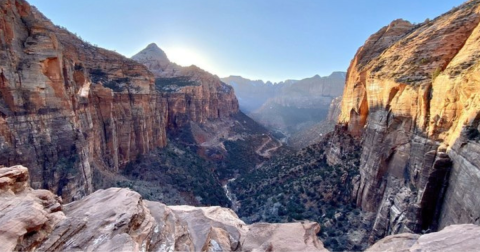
(68, 108)
(412, 100)
(192, 93)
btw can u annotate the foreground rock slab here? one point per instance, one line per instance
(118, 219)
(27, 216)
(453, 238)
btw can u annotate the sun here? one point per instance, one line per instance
(187, 57)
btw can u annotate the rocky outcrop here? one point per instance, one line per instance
(452, 238)
(119, 219)
(192, 93)
(411, 99)
(27, 216)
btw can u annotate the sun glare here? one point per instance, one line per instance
(187, 57)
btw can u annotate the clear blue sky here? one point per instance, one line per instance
(258, 39)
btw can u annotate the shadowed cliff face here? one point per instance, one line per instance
(192, 93)
(68, 108)
(411, 98)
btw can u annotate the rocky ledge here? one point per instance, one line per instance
(464, 237)
(118, 219)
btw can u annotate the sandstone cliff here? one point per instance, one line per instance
(192, 93)
(68, 108)
(76, 114)
(118, 219)
(412, 99)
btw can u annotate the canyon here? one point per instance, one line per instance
(393, 166)
(78, 115)
(408, 125)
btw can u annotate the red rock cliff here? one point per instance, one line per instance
(412, 99)
(192, 93)
(68, 108)
(73, 112)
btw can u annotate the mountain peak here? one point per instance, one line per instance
(152, 52)
(338, 74)
(153, 46)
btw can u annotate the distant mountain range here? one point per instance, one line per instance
(252, 94)
(290, 106)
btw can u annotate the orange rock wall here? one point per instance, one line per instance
(411, 98)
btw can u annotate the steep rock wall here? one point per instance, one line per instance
(207, 99)
(68, 107)
(411, 98)
(192, 93)
(70, 110)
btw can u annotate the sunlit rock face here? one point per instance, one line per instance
(27, 216)
(412, 99)
(118, 219)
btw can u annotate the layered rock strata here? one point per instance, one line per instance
(69, 110)
(192, 93)
(412, 99)
(118, 219)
